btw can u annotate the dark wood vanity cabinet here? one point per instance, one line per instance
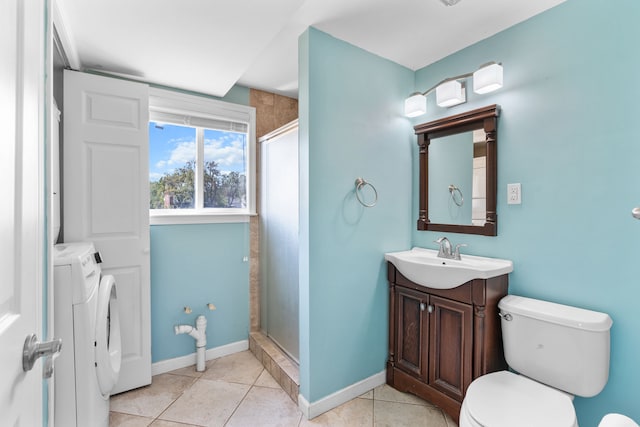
(442, 339)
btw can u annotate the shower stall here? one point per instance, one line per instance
(279, 238)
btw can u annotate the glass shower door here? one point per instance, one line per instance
(279, 239)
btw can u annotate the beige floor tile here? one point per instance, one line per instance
(450, 422)
(241, 368)
(394, 414)
(355, 413)
(163, 423)
(266, 380)
(117, 419)
(151, 400)
(206, 403)
(266, 407)
(367, 395)
(238, 391)
(189, 371)
(390, 394)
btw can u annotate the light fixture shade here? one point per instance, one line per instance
(415, 105)
(487, 79)
(450, 93)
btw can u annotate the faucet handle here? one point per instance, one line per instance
(456, 251)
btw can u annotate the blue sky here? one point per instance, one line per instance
(171, 146)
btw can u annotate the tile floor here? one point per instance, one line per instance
(236, 391)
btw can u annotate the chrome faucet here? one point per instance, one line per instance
(445, 250)
(445, 247)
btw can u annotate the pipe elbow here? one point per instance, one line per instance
(199, 333)
(183, 329)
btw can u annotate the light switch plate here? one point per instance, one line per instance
(514, 194)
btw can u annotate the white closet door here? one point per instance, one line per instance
(22, 67)
(106, 199)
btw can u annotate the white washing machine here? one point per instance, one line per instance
(86, 318)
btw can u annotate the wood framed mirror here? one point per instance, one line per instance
(458, 172)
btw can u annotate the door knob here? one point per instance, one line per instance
(34, 349)
(636, 212)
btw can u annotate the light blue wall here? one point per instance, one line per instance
(568, 133)
(565, 133)
(351, 125)
(192, 265)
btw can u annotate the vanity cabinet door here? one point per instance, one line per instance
(450, 346)
(412, 329)
(442, 339)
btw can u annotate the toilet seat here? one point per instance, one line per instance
(505, 399)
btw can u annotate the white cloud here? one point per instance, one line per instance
(184, 152)
(227, 152)
(155, 176)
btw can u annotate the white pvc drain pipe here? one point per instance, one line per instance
(199, 334)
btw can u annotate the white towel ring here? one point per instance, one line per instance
(361, 183)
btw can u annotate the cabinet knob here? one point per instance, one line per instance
(424, 307)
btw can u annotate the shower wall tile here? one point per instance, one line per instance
(272, 112)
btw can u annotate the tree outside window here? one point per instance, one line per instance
(175, 167)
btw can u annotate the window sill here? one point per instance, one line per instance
(184, 218)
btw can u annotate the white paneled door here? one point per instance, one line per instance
(22, 110)
(106, 199)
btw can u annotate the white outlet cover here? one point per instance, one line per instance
(514, 194)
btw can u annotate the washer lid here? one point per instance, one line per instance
(505, 399)
(108, 348)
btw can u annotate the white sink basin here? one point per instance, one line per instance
(423, 267)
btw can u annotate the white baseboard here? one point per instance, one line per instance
(312, 410)
(190, 359)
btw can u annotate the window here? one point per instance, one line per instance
(201, 159)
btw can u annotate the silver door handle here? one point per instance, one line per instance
(635, 212)
(34, 349)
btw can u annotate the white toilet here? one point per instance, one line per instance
(558, 351)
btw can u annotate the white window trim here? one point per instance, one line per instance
(162, 100)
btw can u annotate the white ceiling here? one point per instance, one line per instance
(208, 46)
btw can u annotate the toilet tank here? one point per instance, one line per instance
(562, 346)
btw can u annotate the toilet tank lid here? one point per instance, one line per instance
(566, 315)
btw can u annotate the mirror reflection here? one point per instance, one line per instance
(458, 173)
(457, 179)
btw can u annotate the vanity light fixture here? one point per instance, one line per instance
(488, 78)
(415, 105)
(452, 91)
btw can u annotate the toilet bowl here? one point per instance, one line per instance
(617, 420)
(557, 352)
(522, 403)
(526, 401)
